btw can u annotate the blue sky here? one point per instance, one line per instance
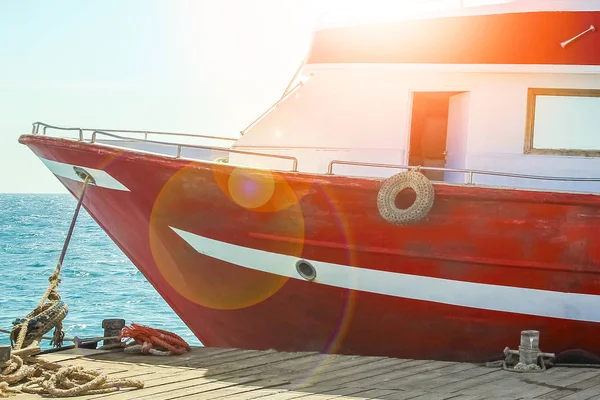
(181, 65)
(201, 66)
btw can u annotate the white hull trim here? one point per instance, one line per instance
(102, 178)
(544, 303)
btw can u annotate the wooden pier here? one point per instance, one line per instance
(230, 374)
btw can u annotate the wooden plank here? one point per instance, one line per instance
(545, 384)
(205, 362)
(403, 395)
(189, 388)
(161, 387)
(58, 357)
(316, 393)
(284, 368)
(419, 377)
(504, 386)
(311, 377)
(570, 389)
(342, 377)
(462, 382)
(306, 383)
(557, 394)
(530, 384)
(208, 390)
(338, 394)
(196, 355)
(160, 381)
(374, 393)
(417, 380)
(583, 394)
(435, 396)
(196, 351)
(227, 392)
(313, 362)
(447, 380)
(251, 363)
(184, 359)
(394, 374)
(255, 394)
(283, 396)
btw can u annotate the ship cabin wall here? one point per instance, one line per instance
(371, 114)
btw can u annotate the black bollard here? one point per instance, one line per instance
(112, 327)
(5, 352)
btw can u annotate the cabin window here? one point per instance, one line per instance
(563, 122)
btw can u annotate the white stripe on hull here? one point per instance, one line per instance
(545, 303)
(102, 178)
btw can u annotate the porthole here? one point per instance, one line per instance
(306, 270)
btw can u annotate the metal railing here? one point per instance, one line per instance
(179, 148)
(470, 172)
(36, 131)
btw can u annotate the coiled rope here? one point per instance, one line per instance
(47, 378)
(11, 372)
(158, 342)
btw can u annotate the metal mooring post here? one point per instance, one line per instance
(529, 353)
(112, 327)
(529, 350)
(4, 354)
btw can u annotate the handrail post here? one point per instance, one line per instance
(178, 151)
(94, 137)
(44, 131)
(145, 135)
(470, 177)
(330, 168)
(80, 135)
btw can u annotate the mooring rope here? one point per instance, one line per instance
(51, 310)
(43, 377)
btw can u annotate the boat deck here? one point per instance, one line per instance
(212, 373)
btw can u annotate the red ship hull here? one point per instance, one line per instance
(485, 264)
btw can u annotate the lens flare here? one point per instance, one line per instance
(250, 190)
(222, 202)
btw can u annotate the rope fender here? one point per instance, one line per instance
(29, 329)
(391, 187)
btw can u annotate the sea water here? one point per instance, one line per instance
(97, 280)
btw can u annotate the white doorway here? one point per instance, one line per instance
(438, 133)
(456, 138)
